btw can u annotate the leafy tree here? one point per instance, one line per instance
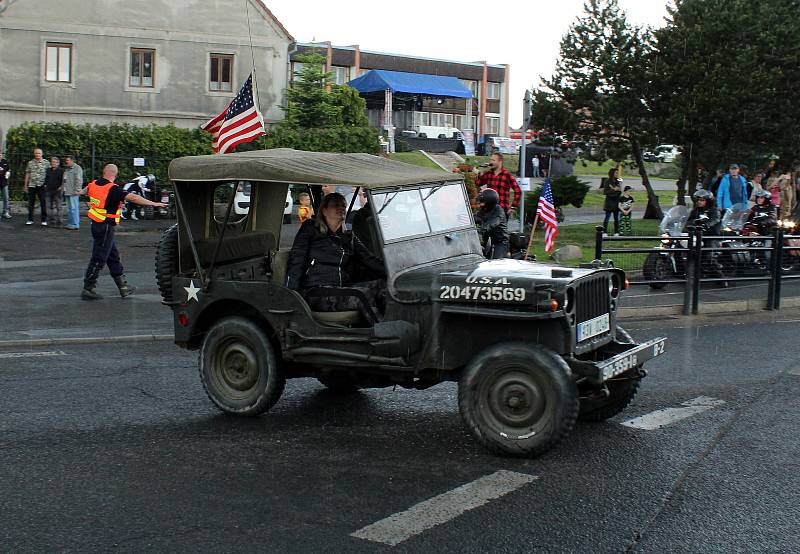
(598, 89)
(353, 107)
(728, 81)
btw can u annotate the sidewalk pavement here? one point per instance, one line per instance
(41, 276)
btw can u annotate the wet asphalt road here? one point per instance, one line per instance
(117, 448)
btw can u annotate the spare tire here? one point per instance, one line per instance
(167, 261)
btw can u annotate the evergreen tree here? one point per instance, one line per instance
(310, 104)
(599, 87)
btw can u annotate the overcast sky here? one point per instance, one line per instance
(523, 33)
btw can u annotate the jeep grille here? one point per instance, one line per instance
(592, 299)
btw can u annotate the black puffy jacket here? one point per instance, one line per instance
(328, 259)
(492, 224)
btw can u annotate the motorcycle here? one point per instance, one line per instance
(146, 187)
(668, 262)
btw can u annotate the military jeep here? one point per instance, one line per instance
(533, 347)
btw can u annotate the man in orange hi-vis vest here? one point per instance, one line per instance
(105, 202)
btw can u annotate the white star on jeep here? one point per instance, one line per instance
(191, 291)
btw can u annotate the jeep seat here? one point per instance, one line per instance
(349, 318)
(235, 247)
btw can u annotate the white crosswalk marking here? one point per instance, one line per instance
(33, 354)
(660, 418)
(440, 509)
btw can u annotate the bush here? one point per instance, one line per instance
(566, 190)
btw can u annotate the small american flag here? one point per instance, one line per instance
(547, 212)
(240, 122)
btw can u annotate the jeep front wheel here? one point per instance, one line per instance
(238, 368)
(518, 399)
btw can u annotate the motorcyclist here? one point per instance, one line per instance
(763, 214)
(705, 213)
(491, 219)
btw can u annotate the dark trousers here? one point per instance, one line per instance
(33, 194)
(615, 213)
(104, 252)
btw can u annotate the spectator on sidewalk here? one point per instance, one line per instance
(105, 201)
(53, 188)
(73, 183)
(34, 185)
(625, 210)
(732, 189)
(501, 180)
(5, 175)
(535, 165)
(612, 188)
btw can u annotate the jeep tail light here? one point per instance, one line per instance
(553, 305)
(183, 319)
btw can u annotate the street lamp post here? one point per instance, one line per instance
(526, 117)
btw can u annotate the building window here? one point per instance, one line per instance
(442, 119)
(340, 74)
(462, 122)
(421, 118)
(493, 91)
(58, 68)
(297, 67)
(492, 125)
(221, 73)
(143, 67)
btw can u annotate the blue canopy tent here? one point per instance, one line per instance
(417, 84)
(379, 80)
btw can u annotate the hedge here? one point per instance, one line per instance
(158, 145)
(115, 143)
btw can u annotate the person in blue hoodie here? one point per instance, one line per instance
(732, 189)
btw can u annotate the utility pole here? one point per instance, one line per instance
(526, 120)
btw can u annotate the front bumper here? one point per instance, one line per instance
(602, 371)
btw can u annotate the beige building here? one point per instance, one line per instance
(136, 61)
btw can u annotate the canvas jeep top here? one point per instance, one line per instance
(533, 346)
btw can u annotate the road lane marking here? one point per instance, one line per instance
(661, 418)
(442, 508)
(794, 371)
(33, 354)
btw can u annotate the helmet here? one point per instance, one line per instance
(489, 198)
(765, 194)
(702, 194)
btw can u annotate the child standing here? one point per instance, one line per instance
(625, 209)
(305, 210)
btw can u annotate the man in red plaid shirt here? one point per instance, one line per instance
(501, 180)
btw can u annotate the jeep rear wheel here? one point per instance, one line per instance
(167, 261)
(518, 399)
(238, 368)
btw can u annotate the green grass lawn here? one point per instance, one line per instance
(595, 198)
(414, 158)
(510, 161)
(584, 236)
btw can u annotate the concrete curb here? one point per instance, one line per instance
(723, 307)
(84, 340)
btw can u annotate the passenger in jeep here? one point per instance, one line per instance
(324, 254)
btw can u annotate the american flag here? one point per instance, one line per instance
(240, 122)
(546, 211)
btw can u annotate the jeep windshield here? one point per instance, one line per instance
(414, 212)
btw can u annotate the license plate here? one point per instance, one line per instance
(634, 357)
(593, 327)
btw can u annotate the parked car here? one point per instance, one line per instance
(533, 347)
(241, 202)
